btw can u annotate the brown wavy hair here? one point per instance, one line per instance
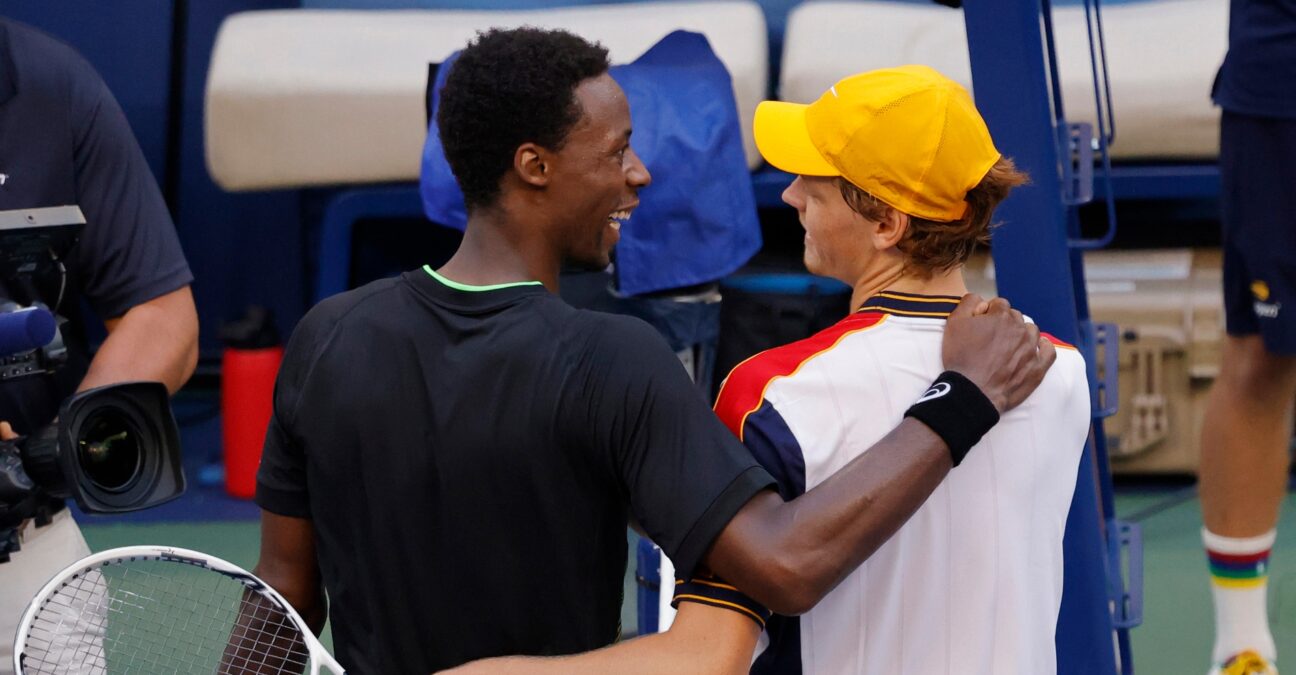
(932, 246)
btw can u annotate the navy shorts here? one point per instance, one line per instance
(1258, 203)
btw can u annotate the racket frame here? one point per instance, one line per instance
(319, 656)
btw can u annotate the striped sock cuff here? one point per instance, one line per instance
(1238, 563)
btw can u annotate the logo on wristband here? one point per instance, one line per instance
(938, 390)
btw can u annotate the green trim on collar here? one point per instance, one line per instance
(475, 289)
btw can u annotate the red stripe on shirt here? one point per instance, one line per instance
(744, 389)
(1056, 342)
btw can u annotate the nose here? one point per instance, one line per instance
(794, 195)
(636, 173)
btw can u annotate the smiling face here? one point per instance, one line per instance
(597, 175)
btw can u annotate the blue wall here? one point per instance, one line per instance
(244, 248)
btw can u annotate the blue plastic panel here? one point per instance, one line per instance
(1106, 393)
(1075, 143)
(1127, 538)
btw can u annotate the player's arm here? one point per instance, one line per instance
(255, 643)
(288, 564)
(289, 558)
(703, 639)
(789, 555)
(156, 340)
(128, 260)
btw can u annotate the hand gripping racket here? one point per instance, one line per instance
(155, 609)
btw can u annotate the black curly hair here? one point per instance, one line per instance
(510, 87)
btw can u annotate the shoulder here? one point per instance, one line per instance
(625, 336)
(1065, 388)
(744, 388)
(1058, 343)
(46, 65)
(342, 305)
(1070, 363)
(317, 334)
(616, 353)
(35, 43)
(1069, 357)
(331, 314)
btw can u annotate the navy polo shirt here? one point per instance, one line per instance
(64, 140)
(1258, 77)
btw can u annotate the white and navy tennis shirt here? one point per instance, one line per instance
(973, 581)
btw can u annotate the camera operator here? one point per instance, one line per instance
(63, 141)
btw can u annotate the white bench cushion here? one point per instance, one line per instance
(1161, 55)
(301, 98)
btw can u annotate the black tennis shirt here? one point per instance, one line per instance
(469, 459)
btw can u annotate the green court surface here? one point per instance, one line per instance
(1175, 638)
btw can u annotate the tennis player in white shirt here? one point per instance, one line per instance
(898, 179)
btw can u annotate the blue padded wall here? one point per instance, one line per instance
(244, 248)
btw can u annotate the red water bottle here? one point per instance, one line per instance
(248, 370)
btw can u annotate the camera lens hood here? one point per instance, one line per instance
(119, 448)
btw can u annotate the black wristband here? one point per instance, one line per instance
(957, 411)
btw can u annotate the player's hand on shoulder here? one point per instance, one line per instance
(991, 344)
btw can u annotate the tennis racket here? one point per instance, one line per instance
(155, 609)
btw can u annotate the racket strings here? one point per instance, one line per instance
(264, 639)
(156, 616)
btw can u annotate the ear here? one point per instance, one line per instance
(891, 229)
(533, 164)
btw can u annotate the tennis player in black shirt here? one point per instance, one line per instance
(455, 453)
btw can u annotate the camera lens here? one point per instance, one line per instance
(109, 450)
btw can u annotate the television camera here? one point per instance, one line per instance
(113, 449)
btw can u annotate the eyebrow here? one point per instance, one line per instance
(625, 138)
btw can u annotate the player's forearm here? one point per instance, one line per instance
(308, 599)
(701, 640)
(288, 563)
(648, 655)
(788, 556)
(156, 341)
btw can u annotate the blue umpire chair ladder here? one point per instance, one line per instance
(1037, 254)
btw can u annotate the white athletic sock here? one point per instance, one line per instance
(1239, 582)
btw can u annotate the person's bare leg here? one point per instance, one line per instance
(1245, 437)
(1242, 481)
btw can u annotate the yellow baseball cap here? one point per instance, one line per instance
(909, 136)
